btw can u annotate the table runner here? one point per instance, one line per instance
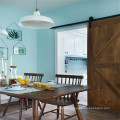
(28, 89)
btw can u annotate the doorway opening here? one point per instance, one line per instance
(71, 55)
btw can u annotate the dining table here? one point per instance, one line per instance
(43, 95)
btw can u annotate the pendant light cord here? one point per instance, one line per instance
(36, 6)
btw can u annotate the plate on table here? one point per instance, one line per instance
(15, 88)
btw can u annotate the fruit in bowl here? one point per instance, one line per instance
(41, 85)
(23, 81)
(35, 84)
(19, 79)
(47, 86)
(27, 80)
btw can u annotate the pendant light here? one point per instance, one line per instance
(3, 32)
(36, 21)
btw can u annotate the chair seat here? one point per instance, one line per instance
(60, 102)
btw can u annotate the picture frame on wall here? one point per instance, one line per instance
(3, 50)
(4, 53)
(14, 35)
(19, 50)
(14, 32)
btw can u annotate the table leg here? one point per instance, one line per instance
(62, 113)
(35, 109)
(76, 107)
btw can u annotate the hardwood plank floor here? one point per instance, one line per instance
(88, 114)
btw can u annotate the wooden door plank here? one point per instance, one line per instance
(108, 44)
(109, 84)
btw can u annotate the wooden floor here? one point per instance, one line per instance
(13, 114)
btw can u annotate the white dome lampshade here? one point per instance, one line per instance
(3, 32)
(36, 21)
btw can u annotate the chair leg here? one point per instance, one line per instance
(57, 112)
(77, 107)
(39, 105)
(21, 106)
(42, 110)
(62, 113)
(26, 103)
(7, 106)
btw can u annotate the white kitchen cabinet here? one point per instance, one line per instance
(69, 45)
(75, 45)
(78, 46)
(85, 47)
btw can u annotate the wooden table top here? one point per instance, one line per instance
(45, 94)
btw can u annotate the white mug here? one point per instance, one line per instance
(51, 82)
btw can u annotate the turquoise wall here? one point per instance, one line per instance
(25, 63)
(40, 44)
(73, 13)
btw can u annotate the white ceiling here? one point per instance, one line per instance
(43, 5)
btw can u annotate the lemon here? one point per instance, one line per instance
(40, 85)
(27, 80)
(47, 86)
(34, 84)
(19, 79)
(22, 82)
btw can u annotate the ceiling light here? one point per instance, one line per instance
(3, 32)
(36, 21)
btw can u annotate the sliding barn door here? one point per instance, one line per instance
(104, 63)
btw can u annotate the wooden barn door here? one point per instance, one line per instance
(104, 63)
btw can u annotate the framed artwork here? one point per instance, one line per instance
(19, 50)
(3, 50)
(4, 53)
(14, 35)
(14, 32)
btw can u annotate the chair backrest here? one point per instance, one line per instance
(35, 77)
(69, 79)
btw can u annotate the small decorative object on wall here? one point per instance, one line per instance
(19, 50)
(3, 50)
(14, 32)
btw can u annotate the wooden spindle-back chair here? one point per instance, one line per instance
(63, 100)
(34, 77)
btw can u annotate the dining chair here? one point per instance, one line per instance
(63, 100)
(34, 77)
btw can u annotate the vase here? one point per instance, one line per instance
(13, 75)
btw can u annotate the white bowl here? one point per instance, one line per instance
(16, 86)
